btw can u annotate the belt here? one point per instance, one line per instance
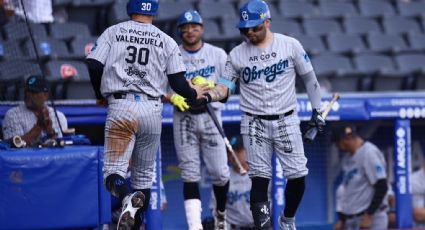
(382, 208)
(124, 96)
(270, 117)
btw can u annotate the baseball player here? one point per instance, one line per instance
(195, 134)
(130, 66)
(418, 195)
(362, 202)
(34, 121)
(266, 64)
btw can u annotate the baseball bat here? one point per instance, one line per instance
(211, 112)
(311, 133)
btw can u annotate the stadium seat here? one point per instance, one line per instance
(214, 10)
(285, 26)
(338, 69)
(60, 3)
(230, 31)
(361, 25)
(19, 30)
(92, 2)
(118, 13)
(400, 25)
(69, 30)
(81, 46)
(381, 69)
(386, 43)
(411, 63)
(297, 9)
(345, 43)
(376, 8)
(172, 10)
(47, 48)
(321, 26)
(336, 9)
(416, 41)
(212, 31)
(10, 50)
(312, 44)
(411, 8)
(70, 80)
(12, 75)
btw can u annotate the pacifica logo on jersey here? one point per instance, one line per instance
(204, 72)
(270, 72)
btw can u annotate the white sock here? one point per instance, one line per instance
(193, 210)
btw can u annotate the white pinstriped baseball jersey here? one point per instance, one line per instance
(150, 55)
(361, 172)
(38, 11)
(267, 76)
(208, 62)
(19, 120)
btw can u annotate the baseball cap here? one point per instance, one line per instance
(36, 84)
(344, 131)
(236, 142)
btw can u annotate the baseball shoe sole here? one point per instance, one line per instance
(131, 204)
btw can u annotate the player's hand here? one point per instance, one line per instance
(179, 102)
(199, 80)
(201, 90)
(366, 221)
(317, 121)
(339, 225)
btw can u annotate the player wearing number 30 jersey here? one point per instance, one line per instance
(130, 66)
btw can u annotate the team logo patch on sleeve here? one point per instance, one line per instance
(306, 57)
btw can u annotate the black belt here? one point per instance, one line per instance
(124, 96)
(270, 117)
(383, 207)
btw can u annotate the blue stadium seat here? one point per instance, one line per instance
(321, 26)
(69, 30)
(297, 9)
(411, 63)
(118, 13)
(172, 10)
(10, 50)
(411, 8)
(312, 44)
(286, 26)
(212, 31)
(81, 46)
(387, 43)
(361, 25)
(70, 80)
(345, 43)
(47, 48)
(339, 70)
(337, 9)
(400, 25)
(19, 30)
(215, 10)
(376, 8)
(381, 69)
(416, 41)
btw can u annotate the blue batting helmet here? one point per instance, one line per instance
(253, 13)
(189, 16)
(148, 7)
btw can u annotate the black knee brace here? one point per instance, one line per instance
(191, 190)
(261, 214)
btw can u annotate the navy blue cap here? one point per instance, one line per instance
(344, 131)
(37, 84)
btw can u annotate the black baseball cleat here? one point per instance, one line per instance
(130, 205)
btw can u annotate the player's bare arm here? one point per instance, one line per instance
(219, 93)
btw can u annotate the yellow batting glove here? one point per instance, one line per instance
(179, 102)
(199, 80)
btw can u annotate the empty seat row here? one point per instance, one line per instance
(68, 79)
(64, 31)
(47, 48)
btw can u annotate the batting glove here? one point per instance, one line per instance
(317, 121)
(179, 102)
(199, 80)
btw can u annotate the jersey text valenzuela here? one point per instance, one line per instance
(139, 40)
(270, 72)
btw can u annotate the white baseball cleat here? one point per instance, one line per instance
(286, 223)
(130, 205)
(219, 220)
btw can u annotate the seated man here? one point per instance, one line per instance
(34, 121)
